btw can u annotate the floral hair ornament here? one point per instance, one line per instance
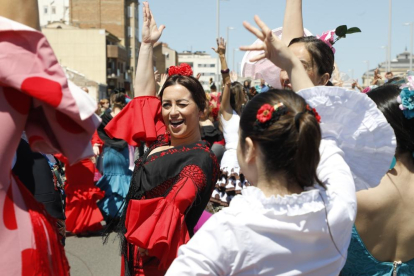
(314, 113)
(406, 98)
(307, 110)
(267, 115)
(340, 32)
(183, 69)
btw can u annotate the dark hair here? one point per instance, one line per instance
(249, 82)
(192, 84)
(285, 147)
(385, 97)
(118, 105)
(117, 97)
(237, 97)
(320, 52)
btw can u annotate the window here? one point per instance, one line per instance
(129, 32)
(136, 32)
(129, 52)
(53, 10)
(45, 9)
(212, 65)
(129, 12)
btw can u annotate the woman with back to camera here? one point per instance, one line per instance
(173, 180)
(298, 219)
(232, 101)
(382, 237)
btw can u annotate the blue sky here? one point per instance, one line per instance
(191, 24)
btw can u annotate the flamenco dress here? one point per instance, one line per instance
(35, 97)
(82, 212)
(116, 174)
(168, 193)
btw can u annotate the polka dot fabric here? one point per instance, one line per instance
(57, 116)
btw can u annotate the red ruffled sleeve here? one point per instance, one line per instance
(140, 120)
(158, 224)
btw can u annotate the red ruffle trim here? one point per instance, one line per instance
(81, 195)
(140, 120)
(157, 225)
(82, 212)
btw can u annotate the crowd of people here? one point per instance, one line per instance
(310, 179)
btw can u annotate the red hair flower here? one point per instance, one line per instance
(264, 114)
(183, 69)
(314, 112)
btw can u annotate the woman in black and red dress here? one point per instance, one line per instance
(173, 181)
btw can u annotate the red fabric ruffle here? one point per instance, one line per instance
(97, 140)
(157, 225)
(140, 120)
(82, 212)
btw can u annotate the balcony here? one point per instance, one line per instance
(116, 52)
(115, 74)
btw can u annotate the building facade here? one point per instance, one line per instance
(399, 67)
(53, 11)
(202, 63)
(94, 53)
(164, 57)
(118, 17)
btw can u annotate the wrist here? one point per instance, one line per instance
(146, 45)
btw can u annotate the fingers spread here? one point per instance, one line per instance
(254, 47)
(254, 30)
(258, 57)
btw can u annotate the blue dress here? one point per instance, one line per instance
(116, 174)
(361, 262)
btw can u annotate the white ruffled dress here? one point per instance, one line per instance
(307, 233)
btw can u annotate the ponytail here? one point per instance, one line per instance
(309, 137)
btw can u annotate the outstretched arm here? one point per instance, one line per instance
(277, 52)
(225, 107)
(293, 21)
(221, 51)
(23, 11)
(144, 79)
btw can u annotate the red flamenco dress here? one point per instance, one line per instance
(82, 212)
(168, 193)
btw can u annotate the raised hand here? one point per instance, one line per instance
(162, 80)
(157, 76)
(273, 49)
(150, 32)
(233, 76)
(198, 76)
(221, 46)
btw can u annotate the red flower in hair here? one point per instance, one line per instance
(264, 114)
(184, 69)
(314, 112)
(173, 70)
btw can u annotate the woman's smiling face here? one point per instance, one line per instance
(180, 112)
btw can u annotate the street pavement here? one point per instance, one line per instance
(89, 257)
